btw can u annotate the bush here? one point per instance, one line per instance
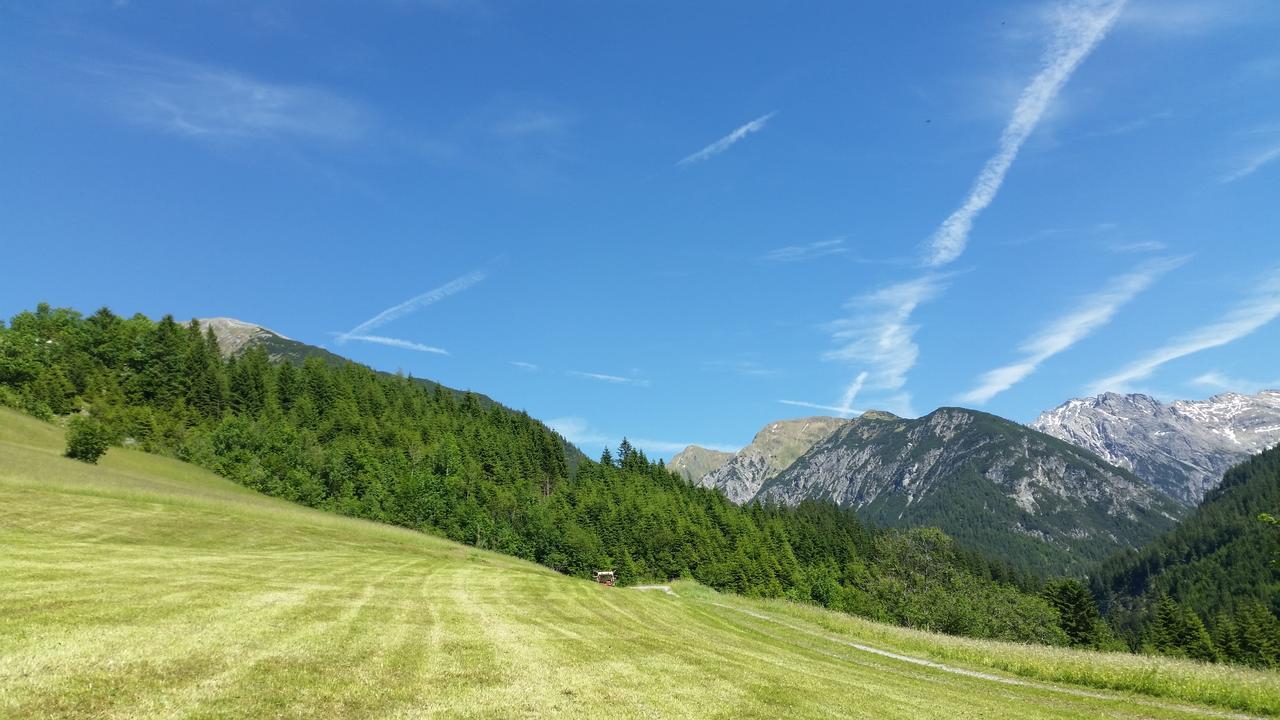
(87, 439)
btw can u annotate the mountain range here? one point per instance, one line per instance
(999, 487)
(1182, 447)
(1072, 488)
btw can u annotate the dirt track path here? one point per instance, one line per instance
(1077, 692)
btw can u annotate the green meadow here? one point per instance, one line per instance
(144, 587)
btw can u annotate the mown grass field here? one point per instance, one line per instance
(144, 587)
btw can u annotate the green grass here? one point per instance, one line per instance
(144, 587)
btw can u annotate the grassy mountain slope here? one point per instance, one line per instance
(771, 451)
(693, 462)
(145, 587)
(1039, 503)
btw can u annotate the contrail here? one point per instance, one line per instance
(851, 392)
(415, 303)
(1058, 336)
(397, 342)
(1255, 311)
(1079, 29)
(728, 141)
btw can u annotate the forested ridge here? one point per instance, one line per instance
(347, 439)
(1209, 588)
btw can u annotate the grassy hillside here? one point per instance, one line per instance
(144, 587)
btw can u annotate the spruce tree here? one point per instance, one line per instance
(1077, 609)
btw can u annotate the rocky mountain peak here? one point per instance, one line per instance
(1182, 447)
(775, 447)
(235, 336)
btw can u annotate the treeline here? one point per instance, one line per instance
(346, 439)
(1210, 588)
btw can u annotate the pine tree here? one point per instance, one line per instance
(206, 387)
(1077, 609)
(1226, 637)
(1194, 639)
(1258, 636)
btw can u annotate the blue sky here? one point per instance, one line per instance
(673, 221)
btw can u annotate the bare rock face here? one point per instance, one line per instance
(694, 462)
(1183, 447)
(236, 336)
(773, 449)
(999, 487)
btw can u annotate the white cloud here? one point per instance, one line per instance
(1092, 312)
(1225, 383)
(395, 342)
(852, 390)
(727, 141)
(879, 337)
(526, 366)
(576, 430)
(812, 251)
(1254, 164)
(1078, 28)
(1260, 308)
(414, 304)
(618, 379)
(204, 101)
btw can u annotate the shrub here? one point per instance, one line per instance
(87, 439)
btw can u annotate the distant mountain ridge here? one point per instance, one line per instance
(1183, 447)
(1031, 499)
(694, 462)
(771, 451)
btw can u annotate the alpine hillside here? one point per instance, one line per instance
(1036, 502)
(1183, 447)
(770, 452)
(235, 338)
(694, 462)
(1221, 563)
